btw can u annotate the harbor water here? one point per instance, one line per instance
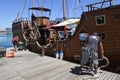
(5, 40)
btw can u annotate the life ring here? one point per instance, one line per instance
(10, 55)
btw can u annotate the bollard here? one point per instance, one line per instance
(61, 54)
(56, 54)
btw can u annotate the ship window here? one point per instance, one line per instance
(100, 20)
(83, 35)
(102, 36)
(61, 34)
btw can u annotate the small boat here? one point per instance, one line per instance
(33, 34)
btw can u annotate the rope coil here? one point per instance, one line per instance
(107, 62)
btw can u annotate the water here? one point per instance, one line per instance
(5, 40)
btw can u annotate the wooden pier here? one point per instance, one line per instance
(27, 65)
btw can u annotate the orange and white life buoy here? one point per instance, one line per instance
(10, 55)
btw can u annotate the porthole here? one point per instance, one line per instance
(102, 36)
(100, 20)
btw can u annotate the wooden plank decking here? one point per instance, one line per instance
(30, 66)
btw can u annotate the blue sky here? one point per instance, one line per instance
(10, 8)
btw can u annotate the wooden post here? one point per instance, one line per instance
(64, 31)
(43, 51)
(64, 9)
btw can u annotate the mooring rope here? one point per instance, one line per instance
(107, 62)
(37, 34)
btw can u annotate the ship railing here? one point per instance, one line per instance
(20, 19)
(92, 7)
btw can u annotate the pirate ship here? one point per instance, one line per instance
(104, 20)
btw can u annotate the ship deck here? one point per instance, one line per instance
(27, 65)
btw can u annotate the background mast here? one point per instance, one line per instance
(32, 5)
(64, 9)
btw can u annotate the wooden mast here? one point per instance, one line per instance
(64, 9)
(64, 15)
(32, 5)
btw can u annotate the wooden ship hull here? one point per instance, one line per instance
(105, 21)
(108, 29)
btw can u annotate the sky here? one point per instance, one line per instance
(10, 9)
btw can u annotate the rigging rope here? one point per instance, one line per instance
(107, 62)
(23, 7)
(21, 10)
(34, 34)
(38, 3)
(51, 8)
(36, 30)
(43, 3)
(83, 10)
(23, 32)
(71, 11)
(59, 11)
